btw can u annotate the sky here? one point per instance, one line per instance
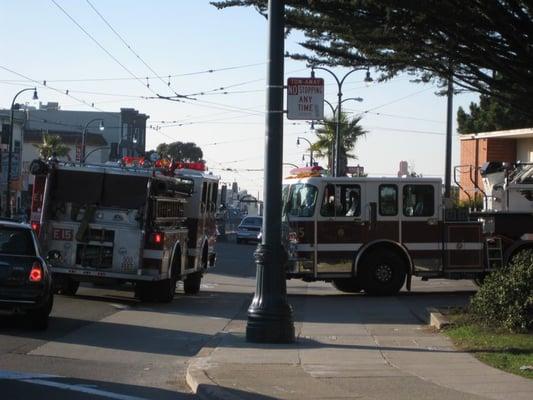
(218, 57)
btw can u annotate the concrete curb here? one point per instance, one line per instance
(436, 319)
(197, 379)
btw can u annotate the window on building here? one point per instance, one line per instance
(418, 200)
(388, 200)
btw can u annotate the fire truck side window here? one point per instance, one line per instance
(302, 200)
(341, 201)
(418, 201)
(388, 200)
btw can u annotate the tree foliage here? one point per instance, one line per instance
(491, 114)
(180, 151)
(485, 44)
(52, 145)
(350, 130)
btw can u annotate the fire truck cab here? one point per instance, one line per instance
(374, 234)
(125, 223)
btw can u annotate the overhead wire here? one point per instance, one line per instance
(102, 47)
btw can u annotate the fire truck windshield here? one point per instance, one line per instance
(299, 200)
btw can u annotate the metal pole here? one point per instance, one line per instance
(448, 166)
(10, 151)
(269, 314)
(338, 132)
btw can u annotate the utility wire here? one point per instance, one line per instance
(102, 47)
(128, 46)
(45, 85)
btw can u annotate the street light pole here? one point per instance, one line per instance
(84, 134)
(269, 314)
(10, 148)
(310, 148)
(337, 144)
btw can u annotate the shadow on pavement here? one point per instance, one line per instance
(110, 335)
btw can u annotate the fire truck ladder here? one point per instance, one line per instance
(471, 170)
(494, 253)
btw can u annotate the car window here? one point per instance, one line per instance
(16, 241)
(252, 221)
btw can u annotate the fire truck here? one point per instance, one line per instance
(151, 225)
(375, 234)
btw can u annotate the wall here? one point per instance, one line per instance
(524, 150)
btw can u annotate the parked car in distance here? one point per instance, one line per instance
(250, 229)
(25, 280)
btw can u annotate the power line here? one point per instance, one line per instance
(102, 47)
(44, 85)
(128, 46)
(208, 71)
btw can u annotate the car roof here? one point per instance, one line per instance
(14, 224)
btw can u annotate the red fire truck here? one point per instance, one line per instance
(126, 222)
(375, 234)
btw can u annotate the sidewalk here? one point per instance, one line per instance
(335, 358)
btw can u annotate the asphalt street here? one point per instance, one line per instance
(104, 344)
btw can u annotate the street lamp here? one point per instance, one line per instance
(84, 134)
(368, 78)
(310, 148)
(10, 148)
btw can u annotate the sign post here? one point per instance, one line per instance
(305, 98)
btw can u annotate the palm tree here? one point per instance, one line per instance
(52, 145)
(350, 130)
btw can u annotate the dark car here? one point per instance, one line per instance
(250, 229)
(25, 280)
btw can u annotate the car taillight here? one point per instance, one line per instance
(158, 237)
(36, 273)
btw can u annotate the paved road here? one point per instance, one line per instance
(102, 343)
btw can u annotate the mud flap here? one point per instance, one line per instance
(408, 282)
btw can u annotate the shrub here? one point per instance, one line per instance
(505, 300)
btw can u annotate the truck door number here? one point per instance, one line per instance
(62, 234)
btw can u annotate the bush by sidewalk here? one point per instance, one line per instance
(505, 300)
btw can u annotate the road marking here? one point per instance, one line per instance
(42, 379)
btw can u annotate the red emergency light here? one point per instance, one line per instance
(164, 163)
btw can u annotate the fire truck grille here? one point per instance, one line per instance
(169, 209)
(94, 256)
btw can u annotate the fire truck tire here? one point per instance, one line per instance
(69, 287)
(383, 273)
(347, 285)
(167, 290)
(191, 285)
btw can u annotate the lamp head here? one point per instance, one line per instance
(297, 141)
(35, 97)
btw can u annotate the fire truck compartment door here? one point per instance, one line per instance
(463, 246)
(126, 250)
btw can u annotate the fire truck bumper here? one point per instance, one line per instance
(133, 276)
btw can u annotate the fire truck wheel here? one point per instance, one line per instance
(191, 285)
(69, 287)
(167, 290)
(383, 273)
(347, 285)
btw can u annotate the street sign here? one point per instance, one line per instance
(305, 98)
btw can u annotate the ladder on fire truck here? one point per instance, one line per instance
(471, 172)
(494, 254)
